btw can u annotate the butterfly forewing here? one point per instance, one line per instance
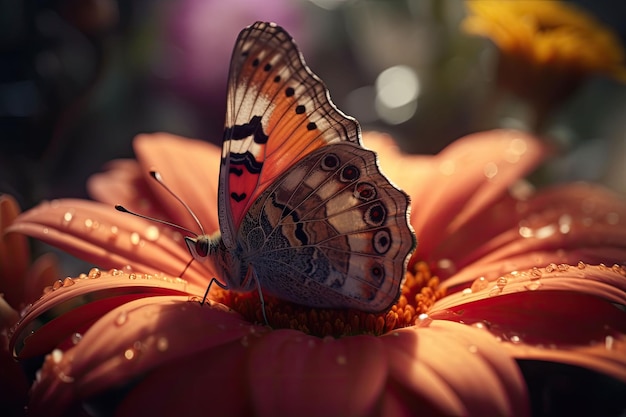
(305, 213)
(278, 111)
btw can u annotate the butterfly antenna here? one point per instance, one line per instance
(157, 177)
(123, 209)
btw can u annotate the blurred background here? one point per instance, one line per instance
(80, 78)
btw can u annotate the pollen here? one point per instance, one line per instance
(419, 292)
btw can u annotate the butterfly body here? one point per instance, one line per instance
(305, 213)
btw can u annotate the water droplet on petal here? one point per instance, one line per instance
(501, 282)
(618, 269)
(515, 339)
(521, 190)
(135, 238)
(94, 273)
(480, 325)
(88, 223)
(565, 223)
(581, 265)
(67, 217)
(545, 231)
(516, 149)
(162, 344)
(447, 265)
(466, 291)
(423, 320)
(63, 377)
(490, 170)
(518, 146)
(56, 355)
(479, 283)
(533, 285)
(495, 291)
(152, 233)
(76, 337)
(57, 284)
(121, 318)
(608, 342)
(68, 282)
(45, 230)
(535, 273)
(551, 268)
(525, 232)
(562, 267)
(130, 354)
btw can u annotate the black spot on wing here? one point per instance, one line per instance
(238, 197)
(237, 171)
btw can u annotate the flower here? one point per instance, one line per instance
(547, 49)
(517, 266)
(20, 281)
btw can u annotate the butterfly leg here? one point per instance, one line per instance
(258, 286)
(208, 288)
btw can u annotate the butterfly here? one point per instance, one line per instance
(305, 213)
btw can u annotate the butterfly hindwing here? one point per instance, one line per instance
(278, 112)
(331, 232)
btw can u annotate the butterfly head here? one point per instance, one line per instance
(202, 247)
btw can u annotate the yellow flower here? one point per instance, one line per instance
(547, 49)
(549, 33)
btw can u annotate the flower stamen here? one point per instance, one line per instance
(419, 292)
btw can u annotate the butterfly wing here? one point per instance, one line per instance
(331, 232)
(278, 112)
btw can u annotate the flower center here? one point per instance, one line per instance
(419, 292)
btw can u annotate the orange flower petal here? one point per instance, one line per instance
(190, 168)
(14, 253)
(130, 341)
(607, 356)
(471, 174)
(72, 305)
(567, 224)
(98, 233)
(542, 317)
(294, 374)
(124, 182)
(438, 366)
(601, 282)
